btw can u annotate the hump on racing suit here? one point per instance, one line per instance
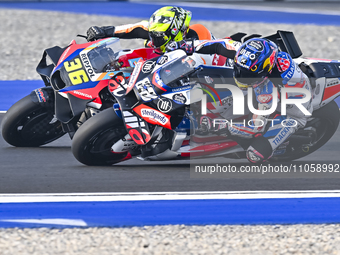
(202, 32)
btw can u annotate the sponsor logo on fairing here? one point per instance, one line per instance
(181, 89)
(81, 94)
(40, 95)
(87, 64)
(148, 66)
(179, 98)
(134, 76)
(164, 105)
(152, 114)
(162, 60)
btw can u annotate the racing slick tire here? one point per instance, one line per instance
(28, 124)
(91, 144)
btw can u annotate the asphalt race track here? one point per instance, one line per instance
(53, 169)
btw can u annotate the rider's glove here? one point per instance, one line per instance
(95, 33)
(187, 46)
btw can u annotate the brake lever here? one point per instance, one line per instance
(84, 36)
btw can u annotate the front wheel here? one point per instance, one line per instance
(27, 124)
(91, 144)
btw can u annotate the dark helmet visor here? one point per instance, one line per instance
(247, 77)
(158, 38)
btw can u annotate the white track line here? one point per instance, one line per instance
(152, 196)
(66, 222)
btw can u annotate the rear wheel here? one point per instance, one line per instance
(91, 145)
(325, 123)
(27, 124)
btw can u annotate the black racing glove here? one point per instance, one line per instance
(95, 33)
(187, 46)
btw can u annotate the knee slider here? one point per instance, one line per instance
(259, 150)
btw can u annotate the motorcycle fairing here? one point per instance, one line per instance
(134, 76)
(68, 58)
(330, 73)
(85, 63)
(143, 81)
(109, 75)
(69, 108)
(180, 98)
(88, 93)
(42, 96)
(332, 90)
(45, 70)
(136, 127)
(153, 116)
(145, 90)
(158, 83)
(75, 47)
(324, 76)
(117, 110)
(133, 56)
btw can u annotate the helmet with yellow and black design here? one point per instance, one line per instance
(168, 24)
(254, 61)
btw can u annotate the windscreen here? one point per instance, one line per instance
(104, 54)
(177, 69)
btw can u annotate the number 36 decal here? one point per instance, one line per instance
(76, 74)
